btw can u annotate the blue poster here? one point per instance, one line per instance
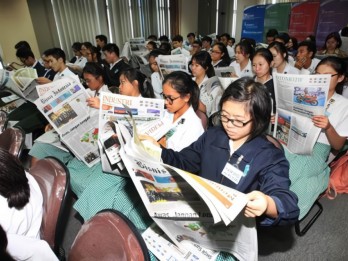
(253, 22)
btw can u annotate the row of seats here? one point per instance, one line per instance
(108, 234)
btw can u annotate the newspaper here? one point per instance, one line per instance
(298, 99)
(171, 63)
(199, 216)
(224, 75)
(116, 127)
(63, 103)
(20, 82)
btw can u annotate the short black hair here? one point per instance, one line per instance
(24, 52)
(22, 44)
(163, 38)
(191, 34)
(178, 38)
(207, 38)
(257, 99)
(55, 52)
(311, 47)
(152, 37)
(272, 33)
(102, 38)
(76, 46)
(111, 48)
(95, 69)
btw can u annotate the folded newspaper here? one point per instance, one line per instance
(147, 113)
(21, 83)
(200, 217)
(298, 99)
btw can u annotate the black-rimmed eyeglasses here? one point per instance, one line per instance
(236, 123)
(169, 99)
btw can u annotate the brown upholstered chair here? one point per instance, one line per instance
(109, 235)
(204, 118)
(54, 180)
(12, 140)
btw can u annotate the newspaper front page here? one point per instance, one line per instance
(63, 103)
(172, 63)
(299, 98)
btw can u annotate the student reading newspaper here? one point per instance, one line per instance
(239, 156)
(49, 143)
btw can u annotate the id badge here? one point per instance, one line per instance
(232, 173)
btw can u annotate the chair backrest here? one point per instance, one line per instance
(109, 235)
(203, 117)
(275, 142)
(54, 181)
(12, 140)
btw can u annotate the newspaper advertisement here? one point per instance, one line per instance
(63, 103)
(299, 98)
(116, 126)
(172, 63)
(189, 209)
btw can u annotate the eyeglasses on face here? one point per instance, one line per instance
(235, 123)
(169, 99)
(332, 75)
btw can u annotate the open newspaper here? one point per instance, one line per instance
(199, 217)
(63, 103)
(224, 75)
(171, 63)
(298, 98)
(145, 111)
(21, 83)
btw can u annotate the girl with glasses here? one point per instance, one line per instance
(239, 147)
(219, 55)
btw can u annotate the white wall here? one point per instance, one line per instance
(15, 26)
(188, 17)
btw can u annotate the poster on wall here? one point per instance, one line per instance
(333, 17)
(303, 19)
(253, 20)
(277, 16)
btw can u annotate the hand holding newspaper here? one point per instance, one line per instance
(63, 103)
(298, 99)
(201, 217)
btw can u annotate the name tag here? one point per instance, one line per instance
(232, 173)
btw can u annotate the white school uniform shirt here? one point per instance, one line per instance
(157, 84)
(81, 61)
(247, 71)
(186, 130)
(27, 221)
(29, 249)
(64, 73)
(289, 69)
(230, 51)
(311, 68)
(337, 111)
(104, 88)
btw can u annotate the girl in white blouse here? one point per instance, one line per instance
(280, 59)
